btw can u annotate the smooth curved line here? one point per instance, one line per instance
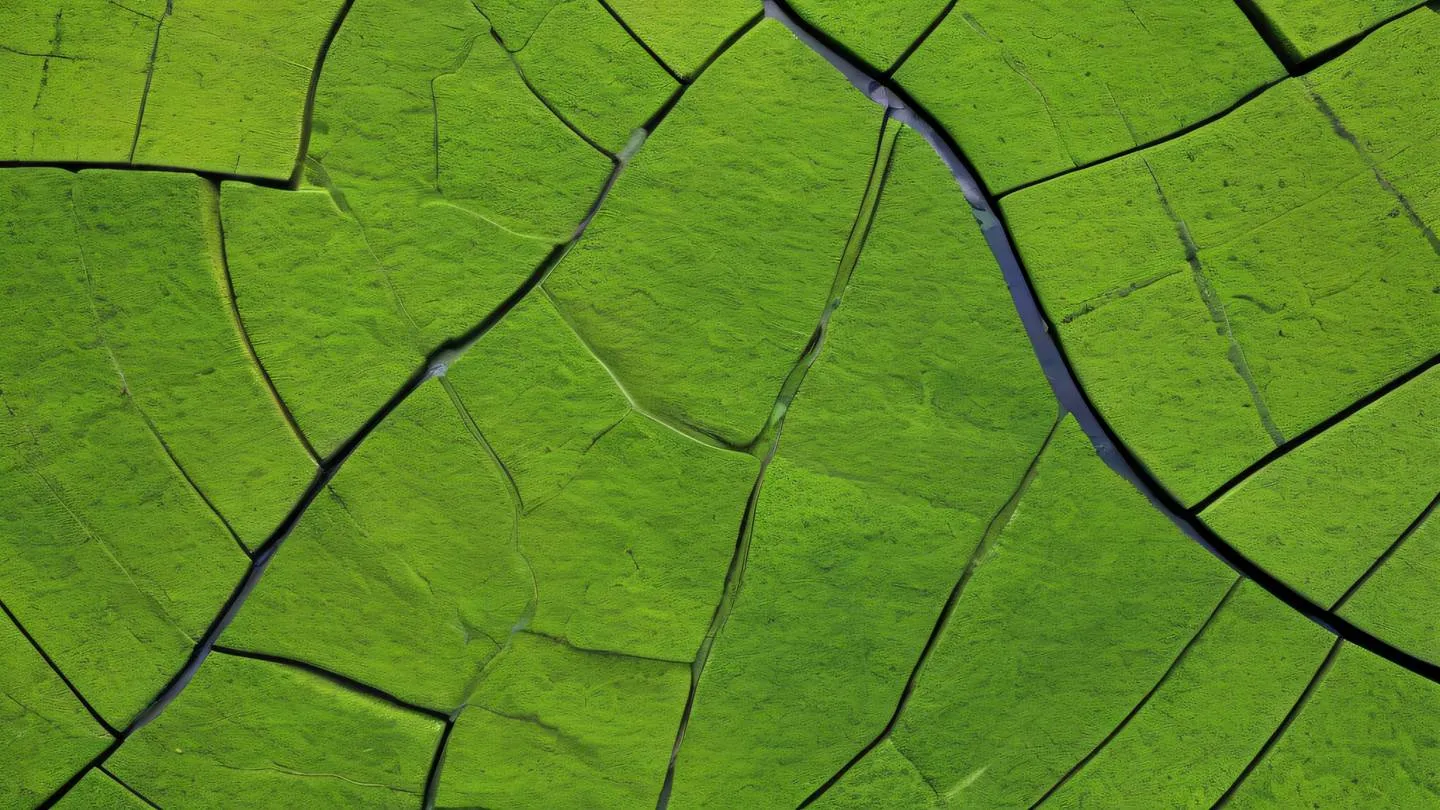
(1054, 361)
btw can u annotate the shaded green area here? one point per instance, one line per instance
(877, 32)
(1320, 515)
(701, 289)
(1307, 27)
(228, 84)
(98, 791)
(1211, 715)
(255, 734)
(1366, 738)
(592, 730)
(72, 76)
(402, 575)
(1395, 603)
(1296, 238)
(45, 731)
(1021, 85)
(925, 367)
(1083, 601)
(111, 554)
(584, 64)
(685, 34)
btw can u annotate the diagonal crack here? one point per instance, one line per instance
(1388, 553)
(992, 533)
(1145, 699)
(1284, 725)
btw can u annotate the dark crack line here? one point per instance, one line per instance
(122, 783)
(570, 645)
(238, 322)
(1298, 69)
(735, 574)
(1284, 52)
(76, 166)
(335, 678)
(1216, 307)
(915, 46)
(1319, 429)
(307, 117)
(1061, 376)
(992, 533)
(1145, 700)
(149, 76)
(1385, 557)
(50, 662)
(665, 66)
(726, 45)
(1284, 726)
(437, 765)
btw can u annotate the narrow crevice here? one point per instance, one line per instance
(130, 396)
(1055, 363)
(50, 662)
(920, 40)
(860, 227)
(450, 70)
(1236, 353)
(1145, 700)
(222, 263)
(694, 433)
(335, 678)
(437, 765)
(982, 549)
(1284, 52)
(307, 117)
(643, 44)
(75, 166)
(55, 40)
(1319, 429)
(735, 574)
(1385, 557)
(1284, 725)
(1345, 134)
(122, 783)
(1298, 69)
(149, 76)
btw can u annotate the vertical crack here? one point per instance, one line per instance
(308, 115)
(1144, 700)
(1284, 725)
(993, 530)
(53, 52)
(735, 575)
(149, 76)
(1236, 353)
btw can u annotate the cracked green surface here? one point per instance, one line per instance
(491, 453)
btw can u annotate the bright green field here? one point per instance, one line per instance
(603, 404)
